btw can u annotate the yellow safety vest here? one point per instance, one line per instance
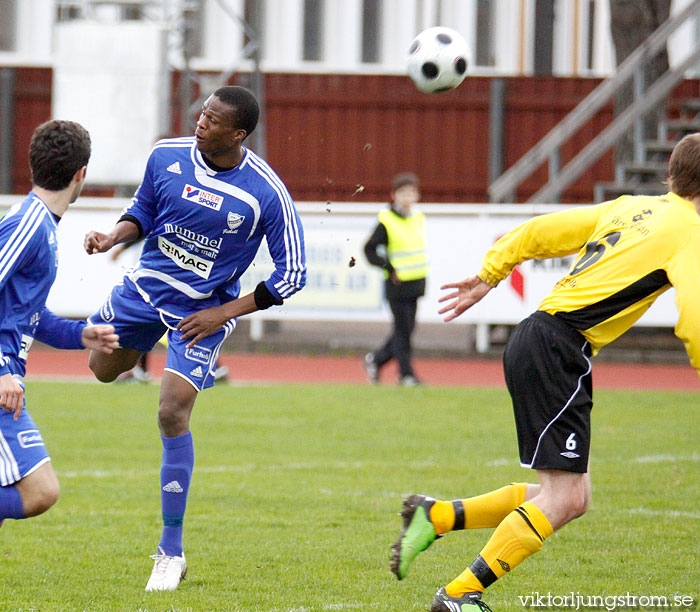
(406, 247)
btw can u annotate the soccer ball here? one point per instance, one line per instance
(438, 59)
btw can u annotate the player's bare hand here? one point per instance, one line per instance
(97, 242)
(100, 338)
(201, 324)
(466, 293)
(11, 395)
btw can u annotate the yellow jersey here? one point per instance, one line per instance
(630, 251)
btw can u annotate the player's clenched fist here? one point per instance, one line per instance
(11, 395)
(97, 242)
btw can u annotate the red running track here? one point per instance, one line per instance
(291, 368)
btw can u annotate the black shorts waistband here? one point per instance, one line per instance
(561, 326)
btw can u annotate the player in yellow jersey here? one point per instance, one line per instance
(630, 251)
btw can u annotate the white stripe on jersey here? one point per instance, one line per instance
(28, 225)
(184, 142)
(201, 175)
(136, 274)
(292, 277)
(9, 470)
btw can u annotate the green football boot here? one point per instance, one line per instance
(416, 535)
(470, 602)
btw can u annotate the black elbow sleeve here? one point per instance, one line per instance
(263, 298)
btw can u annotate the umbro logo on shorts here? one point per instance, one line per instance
(570, 455)
(173, 487)
(175, 168)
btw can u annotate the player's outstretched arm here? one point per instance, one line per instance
(97, 242)
(11, 395)
(99, 338)
(466, 293)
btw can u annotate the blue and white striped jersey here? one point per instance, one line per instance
(203, 229)
(28, 262)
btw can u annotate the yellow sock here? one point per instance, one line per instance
(486, 510)
(518, 536)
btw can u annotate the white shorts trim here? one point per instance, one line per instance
(181, 375)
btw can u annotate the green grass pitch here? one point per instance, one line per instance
(296, 490)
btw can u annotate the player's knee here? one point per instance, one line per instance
(577, 504)
(172, 420)
(102, 373)
(41, 498)
(579, 508)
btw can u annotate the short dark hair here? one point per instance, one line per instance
(404, 178)
(57, 150)
(245, 107)
(684, 167)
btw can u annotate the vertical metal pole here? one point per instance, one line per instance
(165, 119)
(7, 108)
(496, 128)
(483, 342)
(258, 137)
(186, 127)
(638, 130)
(187, 123)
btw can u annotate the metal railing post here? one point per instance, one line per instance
(496, 130)
(638, 131)
(7, 108)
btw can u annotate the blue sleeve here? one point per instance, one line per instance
(4, 365)
(15, 248)
(59, 332)
(285, 241)
(15, 251)
(144, 204)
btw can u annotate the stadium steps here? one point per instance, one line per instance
(648, 177)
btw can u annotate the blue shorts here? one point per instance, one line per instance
(22, 448)
(140, 325)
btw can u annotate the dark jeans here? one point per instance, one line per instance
(398, 344)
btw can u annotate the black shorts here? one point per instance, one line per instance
(548, 372)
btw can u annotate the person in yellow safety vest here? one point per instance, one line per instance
(397, 245)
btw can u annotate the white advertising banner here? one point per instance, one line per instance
(341, 285)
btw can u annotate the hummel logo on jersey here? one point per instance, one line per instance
(173, 487)
(570, 455)
(197, 372)
(205, 198)
(175, 168)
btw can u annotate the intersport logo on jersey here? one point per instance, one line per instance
(205, 198)
(184, 259)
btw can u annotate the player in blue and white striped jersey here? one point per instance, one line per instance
(204, 206)
(58, 156)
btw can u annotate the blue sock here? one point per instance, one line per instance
(10, 503)
(175, 474)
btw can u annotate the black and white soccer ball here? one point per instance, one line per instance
(438, 59)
